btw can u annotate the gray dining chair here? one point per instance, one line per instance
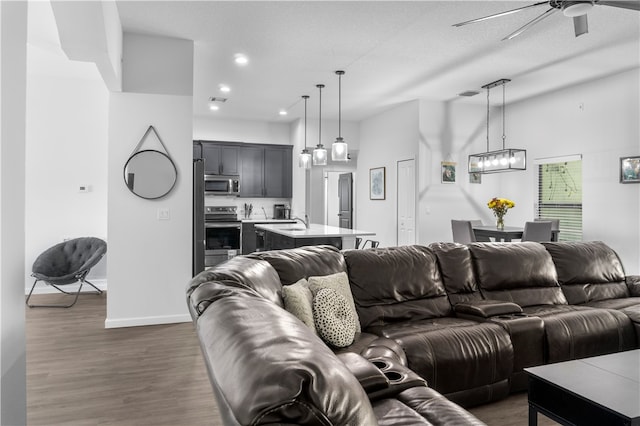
(462, 231)
(537, 231)
(555, 226)
(482, 238)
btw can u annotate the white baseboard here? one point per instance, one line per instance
(42, 288)
(142, 321)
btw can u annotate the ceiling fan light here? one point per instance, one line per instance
(571, 9)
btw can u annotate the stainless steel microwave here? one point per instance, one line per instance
(221, 185)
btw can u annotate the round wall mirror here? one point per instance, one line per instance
(150, 174)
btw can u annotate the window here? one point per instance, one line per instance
(560, 194)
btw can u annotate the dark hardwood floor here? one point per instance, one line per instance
(79, 373)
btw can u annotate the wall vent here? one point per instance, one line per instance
(469, 93)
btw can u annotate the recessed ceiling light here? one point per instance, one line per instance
(224, 88)
(241, 59)
(213, 107)
(283, 112)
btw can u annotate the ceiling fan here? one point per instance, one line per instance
(572, 9)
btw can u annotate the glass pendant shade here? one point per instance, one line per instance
(319, 155)
(304, 159)
(339, 150)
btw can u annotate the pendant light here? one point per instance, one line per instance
(319, 153)
(304, 160)
(503, 160)
(339, 149)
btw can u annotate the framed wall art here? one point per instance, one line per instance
(377, 183)
(448, 172)
(630, 169)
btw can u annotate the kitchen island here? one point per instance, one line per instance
(283, 236)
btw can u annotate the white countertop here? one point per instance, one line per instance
(298, 230)
(263, 220)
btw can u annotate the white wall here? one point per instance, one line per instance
(385, 138)
(600, 121)
(66, 148)
(231, 130)
(449, 131)
(149, 259)
(13, 70)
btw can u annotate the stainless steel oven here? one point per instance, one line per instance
(222, 239)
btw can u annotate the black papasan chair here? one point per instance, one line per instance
(67, 263)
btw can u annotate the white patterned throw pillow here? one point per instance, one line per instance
(298, 300)
(334, 319)
(340, 283)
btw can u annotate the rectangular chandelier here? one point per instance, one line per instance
(503, 160)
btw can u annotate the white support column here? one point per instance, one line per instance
(13, 73)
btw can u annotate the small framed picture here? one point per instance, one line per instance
(475, 177)
(448, 172)
(630, 169)
(377, 183)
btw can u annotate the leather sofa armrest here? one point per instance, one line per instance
(486, 308)
(369, 376)
(633, 284)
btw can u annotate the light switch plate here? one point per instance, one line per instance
(164, 214)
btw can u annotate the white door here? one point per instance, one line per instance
(406, 226)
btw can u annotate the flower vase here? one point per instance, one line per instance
(500, 223)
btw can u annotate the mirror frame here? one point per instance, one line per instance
(175, 170)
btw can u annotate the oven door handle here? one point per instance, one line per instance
(222, 225)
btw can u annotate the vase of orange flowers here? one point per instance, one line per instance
(500, 206)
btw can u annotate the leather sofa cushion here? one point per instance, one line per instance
(588, 271)
(522, 273)
(371, 346)
(452, 354)
(278, 371)
(303, 262)
(396, 284)
(422, 406)
(576, 332)
(456, 268)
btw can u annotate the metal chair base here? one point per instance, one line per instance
(77, 294)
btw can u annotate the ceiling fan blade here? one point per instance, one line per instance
(629, 4)
(508, 12)
(530, 24)
(580, 25)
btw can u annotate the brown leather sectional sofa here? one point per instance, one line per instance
(442, 325)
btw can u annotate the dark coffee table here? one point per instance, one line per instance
(602, 390)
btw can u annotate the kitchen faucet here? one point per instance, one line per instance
(305, 220)
(265, 213)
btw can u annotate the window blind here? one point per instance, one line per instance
(560, 196)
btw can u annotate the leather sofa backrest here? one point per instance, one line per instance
(267, 367)
(456, 268)
(303, 262)
(239, 271)
(588, 271)
(396, 284)
(522, 273)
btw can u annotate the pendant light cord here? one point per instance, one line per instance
(305, 121)
(488, 119)
(320, 86)
(504, 137)
(339, 105)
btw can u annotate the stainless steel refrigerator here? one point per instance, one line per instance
(198, 216)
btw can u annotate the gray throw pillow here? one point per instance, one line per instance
(334, 319)
(340, 283)
(298, 301)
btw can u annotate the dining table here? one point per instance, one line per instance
(507, 234)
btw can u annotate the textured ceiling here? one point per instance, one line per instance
(392, 52)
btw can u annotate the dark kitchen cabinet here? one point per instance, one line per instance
(266, 171)
(197, 151)
(251, 172)
(220, 159)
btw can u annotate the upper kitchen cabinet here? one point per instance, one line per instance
(266, 171)
(220, 159)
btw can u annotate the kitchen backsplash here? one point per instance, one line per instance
(258, 205)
